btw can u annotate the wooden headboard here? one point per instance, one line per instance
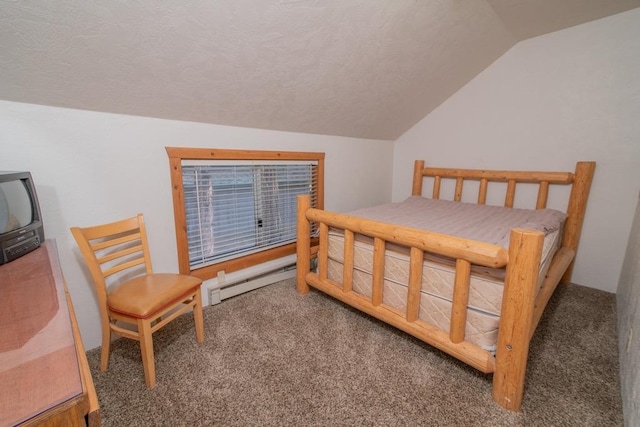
(580, 181)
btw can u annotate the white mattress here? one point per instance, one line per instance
(489, 224)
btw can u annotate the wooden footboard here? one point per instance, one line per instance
(522, 304)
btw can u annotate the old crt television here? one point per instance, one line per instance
(21, 228)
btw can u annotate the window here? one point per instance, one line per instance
(234, 209)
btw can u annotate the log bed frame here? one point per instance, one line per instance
(522, 306)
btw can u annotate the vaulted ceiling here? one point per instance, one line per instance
(361, 68)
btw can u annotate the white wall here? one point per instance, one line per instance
(548, 102)
(91, 168)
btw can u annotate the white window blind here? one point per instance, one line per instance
(236, 208)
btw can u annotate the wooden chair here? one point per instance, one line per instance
(146, 300)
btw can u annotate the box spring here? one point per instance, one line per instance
(485, 291)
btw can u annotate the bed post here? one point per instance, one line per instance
(303, 244)
(576, 210)
(518, 299)
(417, 178)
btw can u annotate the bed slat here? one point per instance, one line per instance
(378, 271)
(436, 187)
(347, 272)
(482, 191)
(458, 193)
(511, 194)
(460, 301)
(543, 194)
(415, 283)
(323, 251)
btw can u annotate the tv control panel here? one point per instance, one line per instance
(21, 246)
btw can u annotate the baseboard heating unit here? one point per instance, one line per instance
(232, 284)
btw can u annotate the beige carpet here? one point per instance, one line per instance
(273, 357)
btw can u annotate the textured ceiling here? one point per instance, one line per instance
(362, 68)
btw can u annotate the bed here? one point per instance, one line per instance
(467, 278)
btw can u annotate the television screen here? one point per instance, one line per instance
(15, 206)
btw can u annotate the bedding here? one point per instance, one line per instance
(490, 224)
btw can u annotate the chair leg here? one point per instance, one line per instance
(106, 345)
(146, 348)
(198, 316)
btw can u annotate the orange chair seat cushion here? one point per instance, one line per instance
(144, 296)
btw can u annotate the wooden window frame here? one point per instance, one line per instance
(178, 154)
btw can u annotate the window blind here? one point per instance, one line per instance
(236, 208)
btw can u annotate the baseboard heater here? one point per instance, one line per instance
(230, 285)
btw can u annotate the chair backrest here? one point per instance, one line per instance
(113, 248)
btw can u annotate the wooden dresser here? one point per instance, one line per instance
(44, 374)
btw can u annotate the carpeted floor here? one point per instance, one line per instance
(273, 357)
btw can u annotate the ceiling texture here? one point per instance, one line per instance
(359, 68)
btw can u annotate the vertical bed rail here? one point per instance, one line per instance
(347, 270)
(378, 271)
(323, 251)
(415, 284)
(460, 300)
(543, 195)
(518, 300)
(303, 245)
(482, 191)
(416, 189)
(576, 210)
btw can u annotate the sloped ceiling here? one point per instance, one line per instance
(360, 68)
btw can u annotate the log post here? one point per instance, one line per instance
(303, 244)
(576, 210)
(518, 299)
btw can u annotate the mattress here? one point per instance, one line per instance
(490, 224)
